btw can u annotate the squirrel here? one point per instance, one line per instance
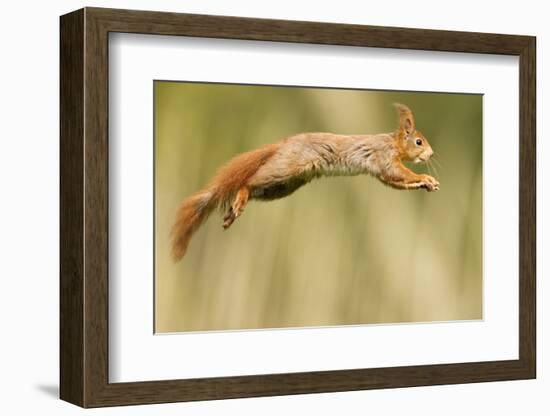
(277, 170)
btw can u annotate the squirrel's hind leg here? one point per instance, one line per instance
(237, 207)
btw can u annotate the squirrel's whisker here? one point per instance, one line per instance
(437, 162)
(436, 171)
(434, 168)
(428, 166)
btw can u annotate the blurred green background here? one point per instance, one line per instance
(340, 251)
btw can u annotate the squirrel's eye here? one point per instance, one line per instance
(418, 142)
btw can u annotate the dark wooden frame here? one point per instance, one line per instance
(84, 207)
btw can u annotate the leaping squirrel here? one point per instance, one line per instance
(277, 170)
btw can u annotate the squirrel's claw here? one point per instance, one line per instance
(237, 208)
(430, 183)
(229, 218)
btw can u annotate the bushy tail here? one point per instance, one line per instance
(191, 214)
(229, 179)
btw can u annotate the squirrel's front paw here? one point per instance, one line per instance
(430, 183)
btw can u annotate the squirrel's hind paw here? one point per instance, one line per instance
(228, 219)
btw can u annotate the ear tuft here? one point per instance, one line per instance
(406, 118)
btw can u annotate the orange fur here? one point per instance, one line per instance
(231, 177)
(227, 182)
(277, 170)
(191, 214)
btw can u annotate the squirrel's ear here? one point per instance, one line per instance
(406, 119)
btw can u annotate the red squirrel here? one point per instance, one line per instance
(277, 170)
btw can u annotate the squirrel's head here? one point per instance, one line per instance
(412, 144)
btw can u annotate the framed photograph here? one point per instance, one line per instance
(255, 207)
